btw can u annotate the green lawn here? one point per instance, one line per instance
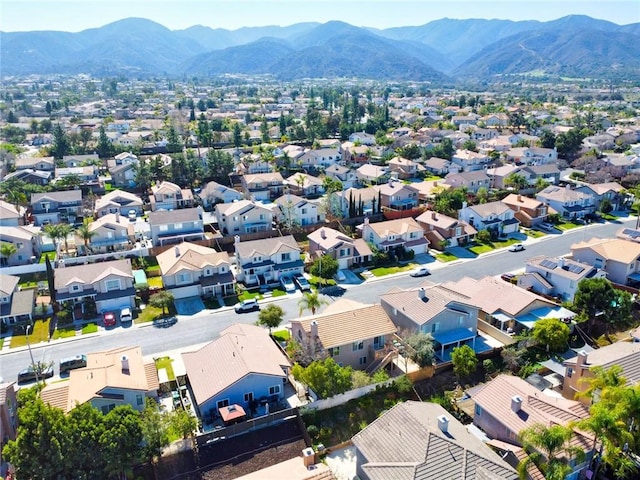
(608, 217)
(281, 335)
(39, 334)
(246, 295)
(317, 281)
(51, 255)
(446, 257)
(90, 328)
(211, 303)
(149, 314)
(487, 247)
(154, 282)
(64, 332)
(568, 226)
(533, 233)
(278, 293)
(165, 362)
(382, 271)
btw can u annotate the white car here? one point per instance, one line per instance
(516, 247)
(133, 215)
(287, 284)
(420, 272)
(125, 315)
(248, 305)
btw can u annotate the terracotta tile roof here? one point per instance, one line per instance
(329, 238)
(564, 267)
(160, 217)
(490, 208)
(345, 322)
(190, 256)
(240, 351)
(56, 395)
(624, 354)
(533, 471)
(395, 227)
(263, 177)
(522, 201)
(266, 246)
(113, 220)
(407, 443)
(8, 284)
(615, 249)
(91, 272)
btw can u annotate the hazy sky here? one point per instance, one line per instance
(77, 15)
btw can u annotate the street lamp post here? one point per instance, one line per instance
(33, 363)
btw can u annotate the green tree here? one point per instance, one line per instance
(86, 234)
(325, 377)
(483, 236)
(155, 430)
(516, 181)
(271, 316)
(61, 146)
(54, 232)
(85, 426)
(104, 147)
(7, 250)
(237, 135)
(464, 361)
(422, 348)
(324, 267)
(174, 144)
(552, 333)
(596, 297)
(311, 301)
(182, 423)
(606, 206)
(121, 442)
(163, 299)
(142, 175)
(548, 448)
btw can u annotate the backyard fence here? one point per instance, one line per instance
(342, 398)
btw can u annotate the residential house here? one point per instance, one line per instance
(472, 181)
(447, 315)
(349, 252)
(118, 201)
(8, 412)
(358, 154)
(579, 369)
(428, 189)
(342, 174)
(43, 164)
(568, 203)
(372, 174)
(243, 216)
(111, 233)
(295, 210)
(71, 161)
(390, 235)
(107, 284)
(396, 195)
(88, 175)
(263, 186)
(224, 372)
(470, 119)
(16, 306)
(11, 215)
(539, 156)
(528, 211)
(191, 270)
(213, 193)
(36, 177)
(350, 332)
(56, 207)
(443, 231)
(416, 440)
(507, 306)
(468, 161)
(405, 168)
(496, 217)
(499, 143)
(169, 196)
(111, 378)
(362, 138)
(496, 120)
(305, 185)
(478, 134)
(499, 175)
(26, 239)
(320, 158)
(630, 234)
(177, 226)
(353, 198)
(556, 276)
(263, 262)
(612, 192)
(619, 258)
(507, 405)
(439, 166)
(123, 175)
(547, 172)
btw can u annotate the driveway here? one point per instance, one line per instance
(189, 305)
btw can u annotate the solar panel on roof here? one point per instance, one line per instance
(631, 233)
(550, 264)
(575, 268)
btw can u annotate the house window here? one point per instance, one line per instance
(184, 277)
(75, 288)
(248, 397)
(460, 321)
(45, 205)
(19, 245)
(107, 408)
(362, 360)
(569, 372)
(139, 399)
(163, 228)
(344, 252)
(274, 390)
(285, 257)
(208, 272)
(357, 346)
(177, 226)
(334, 351)
(378, 342)
(262, 216)
(478, 410)
(111, 285)
(257, 259)
(304, 211)
(223, 403)
(435, 327)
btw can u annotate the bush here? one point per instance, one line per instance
(484, 236)
(313, 431)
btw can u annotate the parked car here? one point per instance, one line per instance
(547, 227)
(302, 282)
(125, 315)
(516, 247)
(420, 272)
(133, 215)
(508, 277)
(29, 374)
(109, 319)
(287, 284)
(71, 363)
(248, 305)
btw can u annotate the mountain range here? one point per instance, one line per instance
(442, 51)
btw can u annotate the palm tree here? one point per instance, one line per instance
(86, 234)
(549, 449)
(6, 250)
(602, 378)
(65, 230)
(311, 301)
(54, 233)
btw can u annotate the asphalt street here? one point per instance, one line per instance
(195, 330)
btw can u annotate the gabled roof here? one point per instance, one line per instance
(407, 443)
(328, 238)
(271, 177)
(564, 267)
(113, 221)
(615, 249)
(8, 284)
(240, 207)
(346, 321)
(190, 256)
(62, 196)
(91, 272)
(9, 211)
(483, 210)
(399, 226)
(394, 188)
(522, 201)
(161, 217)
(119, 197)
(624, 354)
(240, 351)
(266, 246)
(563, 194)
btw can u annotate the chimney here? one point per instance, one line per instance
(519, 198)
(125, 364)
(433, 215)
(177, 250)
(117, 217)
(366, 220)
(422, 293)
(314, 328)
(582, 359)
(443, 423)
(323, 234)
(568, 187)
(308, 457)
(516, 403)
(465, 204)
(561, 262)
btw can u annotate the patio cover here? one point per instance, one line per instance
(529, 319)
(453, 336)
(232, 412)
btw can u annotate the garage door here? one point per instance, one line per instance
(184, 292)
(114, 304)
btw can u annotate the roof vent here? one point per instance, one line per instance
(516, 403)
(422, 293)
(125, 364)
(177, 250)
(443, 423)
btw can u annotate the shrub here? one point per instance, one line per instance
(313, 431)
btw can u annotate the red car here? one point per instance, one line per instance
(109, 319)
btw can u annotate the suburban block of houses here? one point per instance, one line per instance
(619, 258)
(263, 262)
(349, 252)
(176, 226)
(243, 216)
(404, 233)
